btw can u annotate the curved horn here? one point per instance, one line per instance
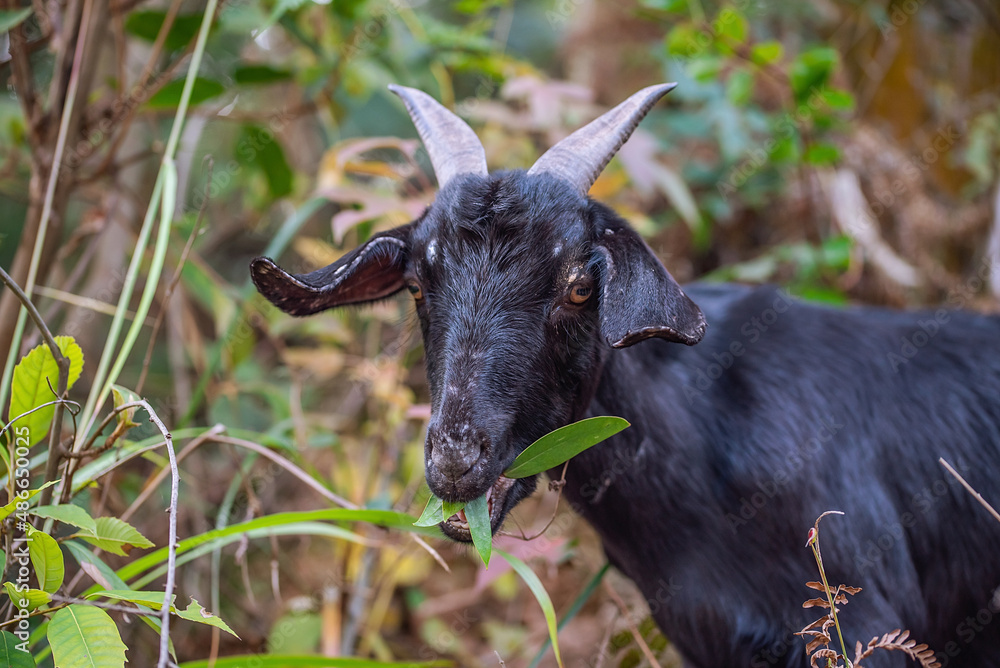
(452, 145)
(582, 156)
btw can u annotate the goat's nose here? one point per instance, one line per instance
(454, 451)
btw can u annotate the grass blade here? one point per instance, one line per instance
(542, 596)
(562, 444)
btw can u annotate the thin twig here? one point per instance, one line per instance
(288, 465)
(631, 625)
(52, 464)
(973, 492)
(158, 478)
(168, 588)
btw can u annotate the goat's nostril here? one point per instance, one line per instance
(454, 454)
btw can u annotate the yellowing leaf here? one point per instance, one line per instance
(30, 387)
(122, 396)
(27, 599)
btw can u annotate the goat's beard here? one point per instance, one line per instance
(501, 498)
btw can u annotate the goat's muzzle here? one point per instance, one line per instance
(457, 461)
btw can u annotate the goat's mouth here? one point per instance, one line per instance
(499, 500)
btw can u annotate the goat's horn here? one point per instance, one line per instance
(452, 145)
(582, 156)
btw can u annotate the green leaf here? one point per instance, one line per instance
(82, 636)
(705, 69)
(563, 444)
(732, 24)
(11, 18)
(196, 613)
(433, 513)
(10, 655)
(67, 513)
(6, 510)
(146, 25)
(811, 70)
(260, 147)
(250, 75)
(478, 515)
(28, 599)
(536, 587)
(450, 508)
(822, 154)
(30, 386)
(47, 559)
(577, 605)
(154, 599)
(122, 396)
(169, 96)
(838, 99)
(739, 87)
(766, 53)
(115, 536)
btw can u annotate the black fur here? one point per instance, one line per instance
(783, 411)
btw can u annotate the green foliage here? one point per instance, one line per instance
(33, 377)
(146, 26)
(563, 444)
(115, 536)
(478, 514)
(154, 599)
(47, 560)
(11, 18)
(169, 97)
(82, 636)
(11, 655)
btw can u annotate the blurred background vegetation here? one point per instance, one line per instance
(846, 149)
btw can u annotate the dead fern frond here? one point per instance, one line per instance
(827, 654)
(899, 641)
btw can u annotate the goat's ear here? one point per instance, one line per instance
(638, 298)
(370, 272)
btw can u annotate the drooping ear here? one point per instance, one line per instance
(370, 272)
(638, 298)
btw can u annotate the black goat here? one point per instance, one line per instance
(530, 297)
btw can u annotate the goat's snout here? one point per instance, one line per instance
(452, 454)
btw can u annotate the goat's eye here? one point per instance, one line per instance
(415, 290)
(580, 293)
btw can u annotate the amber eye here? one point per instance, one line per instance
(415, 290)
(580, 293)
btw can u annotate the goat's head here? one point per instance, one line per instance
(522, 285)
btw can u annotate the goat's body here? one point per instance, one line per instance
(783, 411)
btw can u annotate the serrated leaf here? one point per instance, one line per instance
(115, 536)
(169, 96)
(154, 599)
(536, 587)
(196, 613)
(12, 656)
(67, 513)
(30, 386)
(47, 559)
(29, 599)
(478, 515)
(122, 396)
(11, 18)
(6, 510)
(82, 636)
(433, 513)
(563, 444)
